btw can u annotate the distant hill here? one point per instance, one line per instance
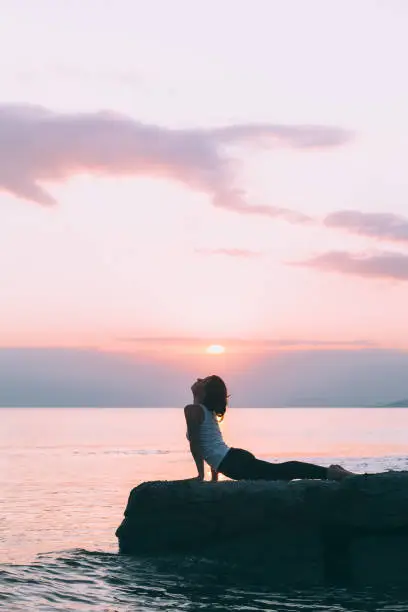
(400, 404)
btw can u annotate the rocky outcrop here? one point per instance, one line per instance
(301, 532)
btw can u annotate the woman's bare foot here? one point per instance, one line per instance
(337, 472)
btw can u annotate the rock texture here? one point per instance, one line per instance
(301, 532)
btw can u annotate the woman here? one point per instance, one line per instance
(206, 443)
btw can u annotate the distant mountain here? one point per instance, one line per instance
(400, 404)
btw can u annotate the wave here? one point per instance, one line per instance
(97, 581)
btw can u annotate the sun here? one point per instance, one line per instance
(215, 349)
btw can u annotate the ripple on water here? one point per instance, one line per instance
(96, 582)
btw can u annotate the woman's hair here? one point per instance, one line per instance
(215, 396)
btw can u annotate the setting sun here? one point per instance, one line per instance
(215, 349)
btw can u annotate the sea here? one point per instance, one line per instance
(66, 475)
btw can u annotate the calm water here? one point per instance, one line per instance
(66, 475)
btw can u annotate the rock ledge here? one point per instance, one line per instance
(301, 532)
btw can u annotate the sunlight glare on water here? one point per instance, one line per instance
(66, 475)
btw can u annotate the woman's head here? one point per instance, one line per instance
(212, 392)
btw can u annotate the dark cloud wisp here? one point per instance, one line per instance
(234, 252)
(386, 265)
(382, 226)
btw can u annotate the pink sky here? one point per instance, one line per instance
(150, 219)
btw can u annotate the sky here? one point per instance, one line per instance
(174, 174)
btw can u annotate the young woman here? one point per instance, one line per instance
(210, 398)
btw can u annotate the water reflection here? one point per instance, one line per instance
(66, 476)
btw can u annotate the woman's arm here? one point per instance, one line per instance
(214, 475)
(194, 417)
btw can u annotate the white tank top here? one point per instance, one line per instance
(212, 443)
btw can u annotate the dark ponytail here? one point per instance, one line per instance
(216, 396)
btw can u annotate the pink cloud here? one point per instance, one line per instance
(40, 146)
(386, 265)
(244, 253)
(382, 226)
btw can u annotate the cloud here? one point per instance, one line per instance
(243, 344)
(240, 253)
(382, 265)
(383, 226)
(39, 146)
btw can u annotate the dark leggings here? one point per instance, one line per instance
(240, 464)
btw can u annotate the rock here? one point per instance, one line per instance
(300, 532)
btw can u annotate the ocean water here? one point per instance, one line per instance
(66, 475)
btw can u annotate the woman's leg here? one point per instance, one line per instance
(289, 470)
(239, 464)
